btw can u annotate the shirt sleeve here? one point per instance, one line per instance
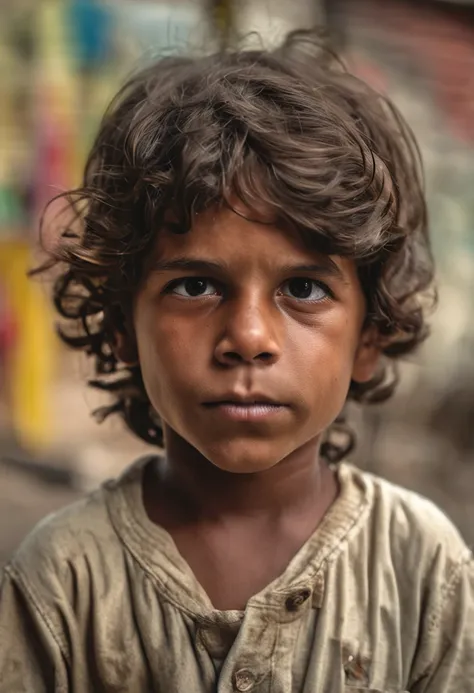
(445, 659)
(30, 656)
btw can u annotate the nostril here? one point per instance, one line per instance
(233, 356)
(238, 358)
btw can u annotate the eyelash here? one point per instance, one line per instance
(168, 289)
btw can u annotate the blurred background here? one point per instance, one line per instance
(60, 63)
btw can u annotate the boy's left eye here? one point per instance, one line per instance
(193, 287)
(305, 289)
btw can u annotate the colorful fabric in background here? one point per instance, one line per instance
(90, 22)
(80, 50)
(55, 100)
(12, 213)
(7, 323)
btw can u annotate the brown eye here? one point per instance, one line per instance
(302, 289)
(193, 287)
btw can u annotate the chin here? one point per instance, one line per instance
(244, 457)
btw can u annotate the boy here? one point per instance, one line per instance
(249, 250)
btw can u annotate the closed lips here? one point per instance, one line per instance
(245, 403)
(244, 399)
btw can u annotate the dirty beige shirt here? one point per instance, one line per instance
(379, 599)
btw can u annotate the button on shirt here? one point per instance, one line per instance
(380, 598)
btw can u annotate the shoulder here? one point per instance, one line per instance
(416, 567)
(63, 540)
(55, 569)
(413, 533)
(81, 532)
(75, 549)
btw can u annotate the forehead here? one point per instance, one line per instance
(241, 239)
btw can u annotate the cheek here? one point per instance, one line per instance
(166, 350)
(323, 365)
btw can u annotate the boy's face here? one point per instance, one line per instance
(247, 340)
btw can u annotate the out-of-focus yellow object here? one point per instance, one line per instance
(223, 15)
(34, 358)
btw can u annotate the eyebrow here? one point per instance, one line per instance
(325, 268)
(188, 264)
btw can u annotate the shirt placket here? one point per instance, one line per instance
(260, 660)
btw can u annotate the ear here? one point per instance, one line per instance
(367, 356)
(125, 344)
(125, 348)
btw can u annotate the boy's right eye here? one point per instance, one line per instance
(192, 287)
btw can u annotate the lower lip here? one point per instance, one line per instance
(248, 412)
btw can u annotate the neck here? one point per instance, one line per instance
(299, 485)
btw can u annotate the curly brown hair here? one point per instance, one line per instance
(288, 127)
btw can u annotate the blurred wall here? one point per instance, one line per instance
(422, 56)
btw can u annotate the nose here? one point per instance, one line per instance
(251, 335)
